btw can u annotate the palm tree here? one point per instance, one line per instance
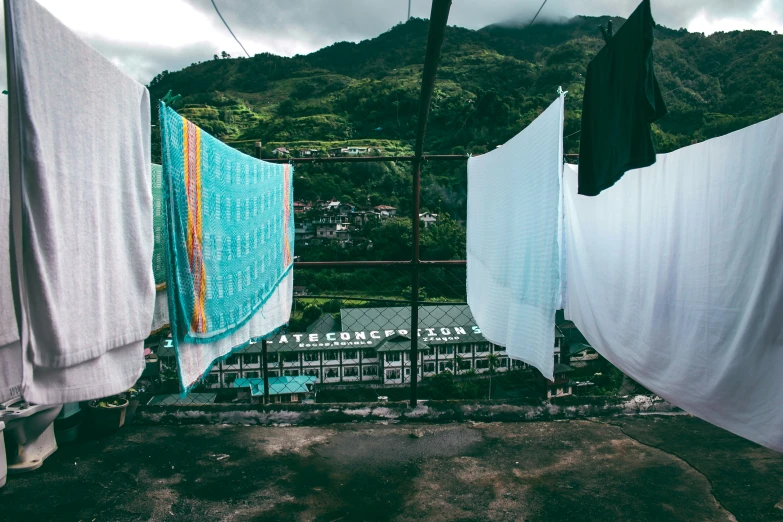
(494, 362)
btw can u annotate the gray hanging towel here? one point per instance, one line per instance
(10, 350)
(81, 211)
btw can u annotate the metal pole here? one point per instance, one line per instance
(265, 364)
(366, 159)
(439, 16)
(259, 149)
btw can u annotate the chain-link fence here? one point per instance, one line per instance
(349, 340)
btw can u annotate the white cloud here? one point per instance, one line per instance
(764, 18)
(144, 37)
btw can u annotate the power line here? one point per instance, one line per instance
(534, 18)
(229, 29)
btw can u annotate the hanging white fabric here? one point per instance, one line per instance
(674, 275)
(513, 232)
(81, 211)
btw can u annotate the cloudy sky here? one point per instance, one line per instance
(143, 37)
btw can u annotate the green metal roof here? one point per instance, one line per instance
(399, 317)
(399, 343)
(578, 348)
(277, 385)
(194, 399)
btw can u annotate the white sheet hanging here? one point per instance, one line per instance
(81, 211)
(512, 240)
(674, 275)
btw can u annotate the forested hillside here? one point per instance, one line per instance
(491, 84)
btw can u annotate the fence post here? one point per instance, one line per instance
(439, 16)
(265, 364)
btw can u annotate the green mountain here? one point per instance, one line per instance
(491, 84)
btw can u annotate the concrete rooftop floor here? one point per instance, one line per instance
(621, 468)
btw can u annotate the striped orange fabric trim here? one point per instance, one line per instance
(192, 166)
(286, 214)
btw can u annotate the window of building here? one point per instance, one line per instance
(313, 372)
(291, 373)
(393, 357)
(290, 357)
(392, 375)
(517, 364)
(331, 373)
(229, 378)
(331, 355)
(211, 378)
(557, 358)
(446, 349)
(311, 356)
(251, 375)
(429, 367)
(407, 372)
(482, 347)
(465, 365)
(464, 348)
(370, 371)
(351, 371)
(232, 361)
(482, 364)
(503, 362)
(274, 373)
(498, 348)
(349, 354)
(250, 358)
(446, 366)
(369, 354)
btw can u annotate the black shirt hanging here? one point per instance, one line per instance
(621, 99)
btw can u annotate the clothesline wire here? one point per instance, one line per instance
(536, 16)
(229, 29)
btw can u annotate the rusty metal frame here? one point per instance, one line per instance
(439, 15)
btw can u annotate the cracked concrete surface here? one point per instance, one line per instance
(622, 468)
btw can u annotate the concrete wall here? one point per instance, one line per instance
(430, 411)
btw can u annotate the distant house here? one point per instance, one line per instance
(301, 207)
(428, 219)
(360, 217)
(348, 151)
(300, 290)
(562, 385)
(303, 230)
(581, 355)
(309, 153)
(332, 204)
(281, 389)
(345, 209)
(385, 211)
(355, 151)
(333, 230)
(280, 152)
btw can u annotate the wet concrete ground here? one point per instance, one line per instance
(625, 468)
